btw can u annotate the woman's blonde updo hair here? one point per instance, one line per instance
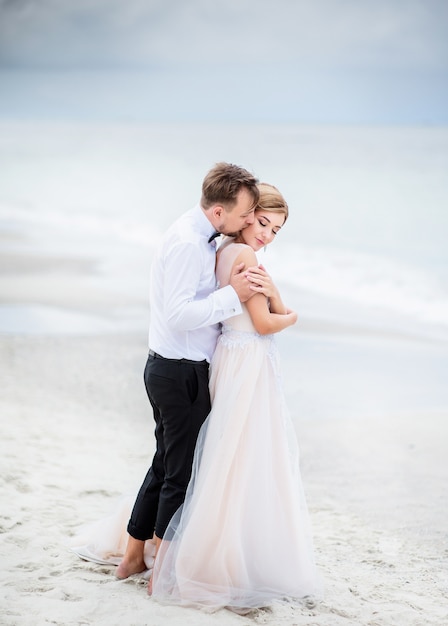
(271, 200)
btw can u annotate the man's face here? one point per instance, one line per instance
(241, 215)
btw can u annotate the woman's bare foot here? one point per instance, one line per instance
(157, 544)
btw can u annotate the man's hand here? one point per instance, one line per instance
(240, 283)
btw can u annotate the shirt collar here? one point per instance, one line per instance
(204, 225)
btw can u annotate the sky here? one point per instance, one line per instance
(306, 61)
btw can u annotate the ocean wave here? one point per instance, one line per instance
(368, 280)
(122, 243)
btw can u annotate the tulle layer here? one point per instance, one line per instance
(242, 538)
(105, 540)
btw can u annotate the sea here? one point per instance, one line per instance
(363, 253)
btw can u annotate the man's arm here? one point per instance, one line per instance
(183, 311)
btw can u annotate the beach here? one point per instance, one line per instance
(368, 399)
(77, 433)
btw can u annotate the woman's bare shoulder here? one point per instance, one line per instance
(242, 251)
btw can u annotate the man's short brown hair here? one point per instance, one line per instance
(223, 183)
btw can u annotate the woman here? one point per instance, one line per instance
(242, 538)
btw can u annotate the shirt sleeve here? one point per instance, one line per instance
(184, 307)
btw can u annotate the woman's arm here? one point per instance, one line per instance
(265, 321)
(262, 283)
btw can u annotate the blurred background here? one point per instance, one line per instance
(111, 113)
(301, 61)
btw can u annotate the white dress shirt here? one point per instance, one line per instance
(185, 304)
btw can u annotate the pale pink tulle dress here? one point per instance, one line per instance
(242, 538)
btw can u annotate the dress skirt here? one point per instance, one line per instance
(242, 537)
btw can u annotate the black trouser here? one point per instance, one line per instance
(179, 394)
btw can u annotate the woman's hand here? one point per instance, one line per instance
(261, 282)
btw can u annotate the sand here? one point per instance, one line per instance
(76, 433)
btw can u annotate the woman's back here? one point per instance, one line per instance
(225, 259)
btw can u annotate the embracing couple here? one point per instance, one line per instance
(222, 504)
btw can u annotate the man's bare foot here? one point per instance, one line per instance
(128, 567)
(133, 561)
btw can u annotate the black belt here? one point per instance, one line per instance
(159, 356)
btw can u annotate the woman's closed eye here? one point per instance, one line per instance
(264, 223)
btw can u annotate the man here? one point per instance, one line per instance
(186, 309)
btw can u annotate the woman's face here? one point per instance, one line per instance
(263, 230)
